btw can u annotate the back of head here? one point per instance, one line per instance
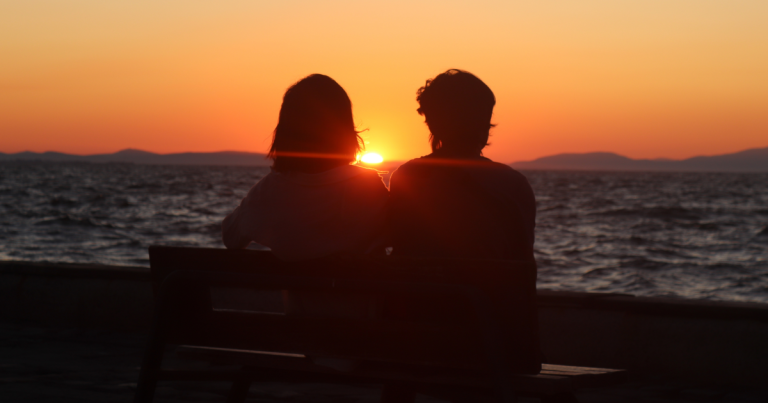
(457, 107)
(315, 130)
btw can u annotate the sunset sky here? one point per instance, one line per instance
(645, 79)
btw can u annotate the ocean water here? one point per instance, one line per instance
(690, 235)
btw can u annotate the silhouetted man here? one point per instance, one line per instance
(454, 202)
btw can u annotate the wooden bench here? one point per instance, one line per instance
(461, 330)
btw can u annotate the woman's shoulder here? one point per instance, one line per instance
(367, 175)
(370, 179)
(365, 171)
(331, 177)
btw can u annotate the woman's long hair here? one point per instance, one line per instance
(315, 131)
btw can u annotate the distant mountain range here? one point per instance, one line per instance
(145, 157)
(753, 160)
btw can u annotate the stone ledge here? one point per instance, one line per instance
(674, 307)
(715, 341)
(655, 306)
(74, 270)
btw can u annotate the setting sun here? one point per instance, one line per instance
(372, 158)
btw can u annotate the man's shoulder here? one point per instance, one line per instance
(499, 170)
(414, 163)
(482, 165)
(504, 178)
(408, 168)
(510, 172)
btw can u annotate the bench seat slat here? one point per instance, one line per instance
(554, 379)
(577, 370)
(378, 340)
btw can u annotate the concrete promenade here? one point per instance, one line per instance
(76, 333)
(49, 364)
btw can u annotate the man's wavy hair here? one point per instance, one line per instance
(457, 107)
(315, 130)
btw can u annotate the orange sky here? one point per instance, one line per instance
(644, 78)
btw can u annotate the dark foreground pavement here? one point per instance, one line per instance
(67, 365)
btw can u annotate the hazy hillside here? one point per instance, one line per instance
(753, 160)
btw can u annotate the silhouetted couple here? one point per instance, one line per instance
(452, 203)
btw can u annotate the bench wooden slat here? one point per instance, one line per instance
(554, 379)
(535, 384)
(587, 377)
(577, 370)
(343, 338)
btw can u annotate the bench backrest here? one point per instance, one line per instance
(435, 312)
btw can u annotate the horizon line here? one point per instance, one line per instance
(265, 153)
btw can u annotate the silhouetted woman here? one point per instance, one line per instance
(313, 203)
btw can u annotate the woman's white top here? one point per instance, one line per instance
(304, 216)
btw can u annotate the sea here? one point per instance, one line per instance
(680, 235)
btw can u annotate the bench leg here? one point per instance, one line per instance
(464, 398)
(239, 391)
(397, 393)
(145, 388)
(560, 398)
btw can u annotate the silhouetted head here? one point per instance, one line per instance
(315, 131)
(457, 107)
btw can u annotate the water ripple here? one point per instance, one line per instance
(690, 235)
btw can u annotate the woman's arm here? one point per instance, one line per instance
(231, 234)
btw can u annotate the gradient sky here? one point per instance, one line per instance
(645, 79)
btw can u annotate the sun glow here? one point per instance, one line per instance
(372, 158)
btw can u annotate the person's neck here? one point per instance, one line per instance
(456, 153)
